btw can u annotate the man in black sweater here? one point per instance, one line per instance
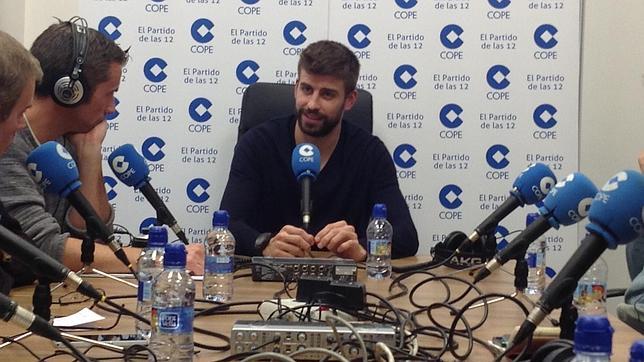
(262, 194)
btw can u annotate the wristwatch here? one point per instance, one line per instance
(262, 241)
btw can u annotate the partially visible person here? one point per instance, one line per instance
(19, 74)
(632, 310)
(81, 72)
(263, 197)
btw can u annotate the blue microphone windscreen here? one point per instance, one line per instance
(534, 183)
(53, 168)
(129, 166)
(568, 202)
(617, 211)
(305, 160)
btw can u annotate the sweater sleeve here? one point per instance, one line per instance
(24, 201)
(385, 189)
(241, 195)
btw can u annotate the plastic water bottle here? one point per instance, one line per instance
(379, 235)
(593, 339)
(173, 296)
(150, 265)
(220, 258)
(590, 295)
(637, 351)
(536, 259)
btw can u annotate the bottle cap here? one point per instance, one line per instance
(593, 334)
(379, 211)
(220, 218)
(175, 254)
(157, 236)
(531, 217)
(637, 351)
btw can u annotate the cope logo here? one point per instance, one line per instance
(500, 233)
(406, 4)
(449, 196)
(197, 190)
(404, 156)
(613, 183)
(497, 76)
(450, 115)
(250, 2)
(294, 32)
(201, 30)
(306, 150)
(496, 157)
(112, 116)
(499, 4)
(544, 36)
(544, 116)
(110, 185)
(62, 152)
(152, 149)
(247, 72)
(199, 110)
(451, 36)
(146, 224)
(154, 70)
(404, 76)
(119, 164)
(33, 171)
(358, 36)
(109, 26)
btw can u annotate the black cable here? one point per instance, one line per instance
(74, 351)
(10, 339)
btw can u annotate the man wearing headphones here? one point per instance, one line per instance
(81, 72)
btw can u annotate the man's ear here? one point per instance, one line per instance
(350, 100)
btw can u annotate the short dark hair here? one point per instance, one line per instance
(54, 48)
(17, 67)
(327, 57)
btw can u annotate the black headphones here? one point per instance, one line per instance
(69, 89)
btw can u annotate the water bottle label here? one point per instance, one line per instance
(174, 320)
(144, 293)
(380, 247)
(531, 259)
(219, 264)
(590, 294)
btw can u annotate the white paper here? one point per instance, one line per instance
(81, 317)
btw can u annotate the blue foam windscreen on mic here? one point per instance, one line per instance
(129, 166)
(53, 168)
(568, 202)
(617, 211)
(305, 161)
(534, 183)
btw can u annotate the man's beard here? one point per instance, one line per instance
(327, 124)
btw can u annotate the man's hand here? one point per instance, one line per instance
(92, 138)
(341, 239)
(641, 161)
(195, 258)
(290, 242)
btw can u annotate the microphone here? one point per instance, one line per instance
(53, 168)
(530, 187)
(130, 167)
(566, 204)
(10, 311)
(616, 217)
(42, 264)
(305, 162)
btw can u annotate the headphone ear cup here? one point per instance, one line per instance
(454, 239)
(67, 95)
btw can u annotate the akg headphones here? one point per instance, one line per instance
(69, 89)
